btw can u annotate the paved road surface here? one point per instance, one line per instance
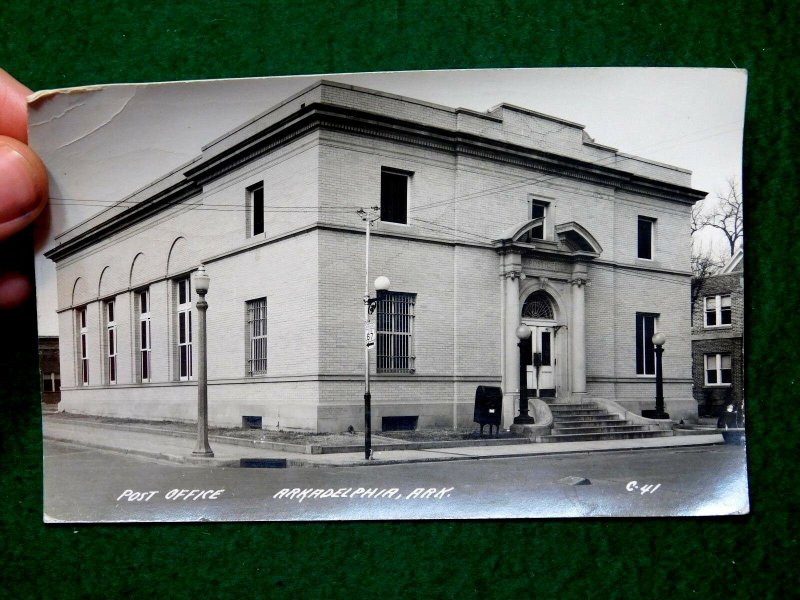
(85, 485)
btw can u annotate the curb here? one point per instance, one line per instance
(242, 462)
(313, 449)
(174, 458)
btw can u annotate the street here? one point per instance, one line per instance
(88, 485)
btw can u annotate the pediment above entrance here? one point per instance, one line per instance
(571, 240)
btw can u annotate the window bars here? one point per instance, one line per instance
(257, 336)
(395, 329)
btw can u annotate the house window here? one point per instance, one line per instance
(645, 245)
(394, 196)
(257, 336)
(718, 369)
(538, 211)
(143, 300)
(83, 350)
(395, 332)
(184, 338)
(255, 210)
(645, 349)
(717, 310)
(111, 343)
(50, 382)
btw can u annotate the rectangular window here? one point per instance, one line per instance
(718, 369)
(545, 348)
(111, 343)
(83, 350)
(394, 196)
(143, 299)
(645, 349)
(717, 310)
(538, 211)
(645, 245)
(184, 337)
(50, 382)
(395, 332)
(255, 210)
(257, 336)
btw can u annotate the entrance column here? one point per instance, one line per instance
(511, 273)
(577, 331)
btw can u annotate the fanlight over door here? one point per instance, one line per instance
(537, 306)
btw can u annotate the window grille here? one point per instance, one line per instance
(257, 336)
(395, 332)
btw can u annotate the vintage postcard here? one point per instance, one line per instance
(418, 295)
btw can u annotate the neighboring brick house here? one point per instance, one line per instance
(486, 220)
(718, 339)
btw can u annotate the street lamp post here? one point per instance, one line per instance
(658, 340)
(523, 333)
(201, 282)
(369, 216)
(381, 284)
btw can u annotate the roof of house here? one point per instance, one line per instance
(735, 263)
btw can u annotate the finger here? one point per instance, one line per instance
(14, 289)
(13, 108)
(23, 186)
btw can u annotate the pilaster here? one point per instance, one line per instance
(577, 330)
(511, 271)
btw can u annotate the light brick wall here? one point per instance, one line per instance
(313, 280)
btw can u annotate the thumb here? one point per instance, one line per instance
(23, 186)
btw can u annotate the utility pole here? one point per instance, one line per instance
(369, 216)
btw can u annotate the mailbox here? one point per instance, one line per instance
(488, 407)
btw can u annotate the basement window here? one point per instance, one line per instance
(399, 423)
(251, 422)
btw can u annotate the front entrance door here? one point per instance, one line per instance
(540, 362)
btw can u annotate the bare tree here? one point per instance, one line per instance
(704, 265)
(726, 216)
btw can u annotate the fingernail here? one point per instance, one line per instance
(18, 191)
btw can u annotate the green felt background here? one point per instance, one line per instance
(54, 44)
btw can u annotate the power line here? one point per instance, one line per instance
(509, 186)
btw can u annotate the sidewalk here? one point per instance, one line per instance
(165, 447)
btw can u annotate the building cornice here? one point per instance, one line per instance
(322, 116)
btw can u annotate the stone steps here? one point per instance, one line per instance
(600, 429)
(591, 437)
(582, 419)
(587, 421)
(579, 411)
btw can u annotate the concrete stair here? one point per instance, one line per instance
(586, 421)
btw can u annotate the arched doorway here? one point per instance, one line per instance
(538, 352)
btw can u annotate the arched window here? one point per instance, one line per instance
(537, 306)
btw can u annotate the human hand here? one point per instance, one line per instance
(23, 181)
